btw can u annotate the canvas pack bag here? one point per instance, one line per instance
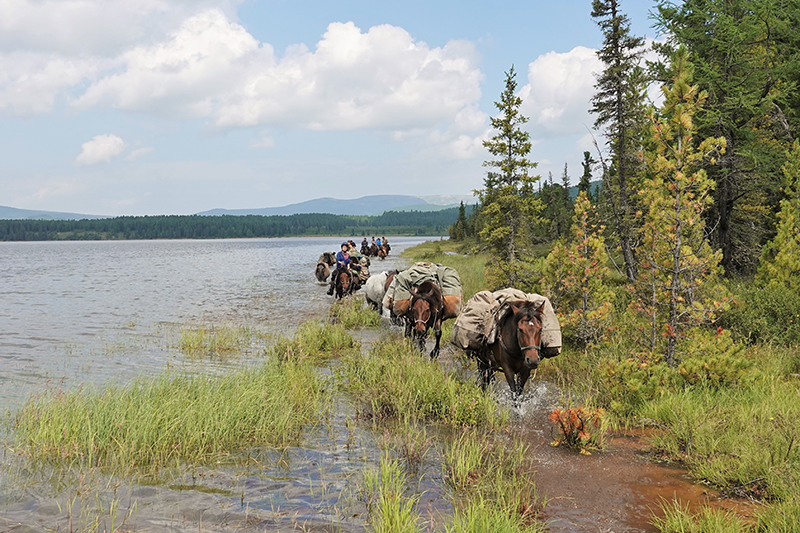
(398, 296)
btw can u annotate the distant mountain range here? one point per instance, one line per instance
(366, 205)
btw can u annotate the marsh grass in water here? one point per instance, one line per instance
(315, 342)
(173, 419)
(390, 509)
(353, 312)
(490, 477)
(678, 519)
(215, 341)
(394, 381)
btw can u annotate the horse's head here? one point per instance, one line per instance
(426, 306)
(528, 324)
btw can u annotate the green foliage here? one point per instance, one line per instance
(677, 286)
(781, 517)
(228, 226)
(780, 260)
(576, 278)
(218, 341)
(390, 510)
(509, 205)
(760, 314)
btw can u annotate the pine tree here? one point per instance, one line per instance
(510, 208)
(585, 183)
(576, 274)
(457, 230)
(678, 268)
(619, 106)
(780, 260)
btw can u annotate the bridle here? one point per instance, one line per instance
(433, 313)
(522, 349)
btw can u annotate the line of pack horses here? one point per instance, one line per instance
(516, 349)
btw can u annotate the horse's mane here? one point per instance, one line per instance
(527, 310)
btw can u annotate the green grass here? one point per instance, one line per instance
(173, 418)
(395, 381)
(315, 342)
(678, 519)
(493, 490)
(390, 510)
(215, 341)
(351, 313)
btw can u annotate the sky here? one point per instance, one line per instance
(152, 107)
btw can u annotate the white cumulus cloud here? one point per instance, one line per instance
(102, 148)
(213, 68)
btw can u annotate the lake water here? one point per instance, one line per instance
(76, 313)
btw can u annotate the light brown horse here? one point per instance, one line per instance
(425, 312)
(516, 349)
(344, 284)
(381, 252)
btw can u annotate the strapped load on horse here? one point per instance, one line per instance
(508, 330)
(424, 296)
(398, 295)
(477, 324)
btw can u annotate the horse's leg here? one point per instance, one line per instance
(438, 332)
(522, 378)
(485, 373)
(407, 332)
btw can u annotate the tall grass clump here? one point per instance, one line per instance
(351, 313)
(678, 519)
(390, 510)
(490, 477)
(214, 341)
(395, 381)
(316, 342)
(173, 418)
(745, 441)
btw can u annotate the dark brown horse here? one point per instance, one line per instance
(329, 258)
(516, 349)
(373, 250)
(381, 252)
(344, 283)
(425, 312)
(322, 272)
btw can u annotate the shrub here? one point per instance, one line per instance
(763, 314)
(581, 428)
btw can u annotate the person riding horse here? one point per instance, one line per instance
(342, 263)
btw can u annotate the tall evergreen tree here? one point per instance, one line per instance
(677, 278)
(745, 53)
(585, 183)
(619, 106)
(780, 260)
(510, 207)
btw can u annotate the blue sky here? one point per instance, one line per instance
(134, 107)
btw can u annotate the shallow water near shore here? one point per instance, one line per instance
(96, 313)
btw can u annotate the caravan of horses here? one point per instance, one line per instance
(506, 330)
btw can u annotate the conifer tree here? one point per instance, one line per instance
(576, 274)
(619, 106)
(677, 282)
(585, 183)
(509, 206)
(780, 260)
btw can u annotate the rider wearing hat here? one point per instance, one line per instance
(342, 263)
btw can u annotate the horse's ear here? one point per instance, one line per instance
(514, 309)
(541, 307)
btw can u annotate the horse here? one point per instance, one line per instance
(344, 285)
(329, 258)
(425, 312)
(516, 349)
(322, 272)
(364, 249)
(381, 252)
(373, 250)
(376, 287)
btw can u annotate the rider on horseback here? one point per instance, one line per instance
(342, 263)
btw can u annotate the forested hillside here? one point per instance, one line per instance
(227, 227)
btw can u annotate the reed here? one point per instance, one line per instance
(214, 341)
(678, 519)
(173, 418)
(315, 342)
(351, 313)
(390, 510)
(491, 482)
(395, 381)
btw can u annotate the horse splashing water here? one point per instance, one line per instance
(322, 272)
(516, 349)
